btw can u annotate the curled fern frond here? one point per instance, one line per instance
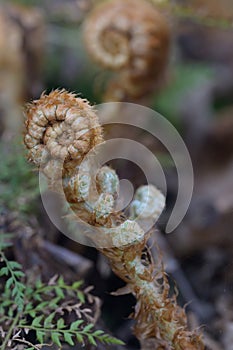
(130, 37)
(159, 317)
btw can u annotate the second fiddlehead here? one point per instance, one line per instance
(130, 37)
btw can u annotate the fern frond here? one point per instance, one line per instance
(44, 311)
(14, 284)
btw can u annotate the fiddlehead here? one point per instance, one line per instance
(159, 318)
(61, 129)
(132, 38)
(60, 126)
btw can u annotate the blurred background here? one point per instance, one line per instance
(42, 47)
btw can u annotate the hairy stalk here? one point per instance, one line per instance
(61, 130)
(158, 316)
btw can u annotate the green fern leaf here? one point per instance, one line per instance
(4, 271)
(61, 323)
(56, 338)
(37, 321)
(68, 338)
(48, 321)
(91, 340)
(75, 325)
(40, 336)
(88, 328)
(79, 337)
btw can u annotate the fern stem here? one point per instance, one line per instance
(10, 331)
(28, 343)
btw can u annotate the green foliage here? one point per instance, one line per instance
(184, 79)
(5, 240)
(13, 270)
(54, 311)
(14, 287)
(25, 2)
(58, 331)
(184, 11)
(18, 183)
(70, 36)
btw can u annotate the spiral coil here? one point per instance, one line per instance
(92, 197)
(131, 37)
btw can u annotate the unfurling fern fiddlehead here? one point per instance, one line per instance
(61, 126)
(130, 37)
